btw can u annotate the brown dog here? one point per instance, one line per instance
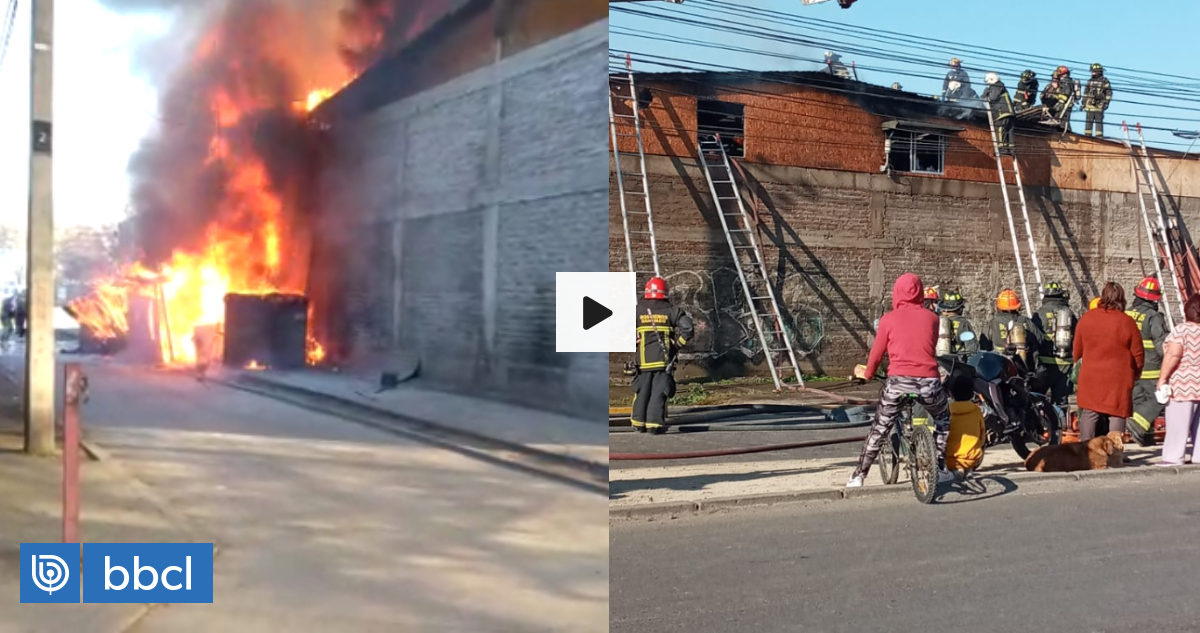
(1097, 454)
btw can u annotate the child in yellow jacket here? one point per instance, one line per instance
(964, 445)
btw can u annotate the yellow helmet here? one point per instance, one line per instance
(1094, 303)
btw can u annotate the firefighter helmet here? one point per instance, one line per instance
(1027, 75)
(1097, 69)
(955, 62)
(1007, 301)
(1149, 289)
(951, 300)
(1061, 70)
(1094, 303)
(1053, 289)
(656, 288)
(931, 292)
(991, 78)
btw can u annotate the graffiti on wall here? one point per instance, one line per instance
(724, 324)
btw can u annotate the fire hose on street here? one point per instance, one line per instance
(734, 451)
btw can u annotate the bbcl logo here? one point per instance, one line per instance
(117, 573)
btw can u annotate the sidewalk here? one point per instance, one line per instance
(114, 508)
(565, 437)
(680, 487)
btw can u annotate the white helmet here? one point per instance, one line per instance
(954, 85)
(991, 78)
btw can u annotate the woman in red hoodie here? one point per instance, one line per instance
(908, 334)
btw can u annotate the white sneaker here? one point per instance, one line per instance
(945, 476)
(855, 482)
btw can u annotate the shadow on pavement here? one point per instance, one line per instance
(618, 489)
(976, 489)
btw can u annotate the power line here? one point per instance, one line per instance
(10, 18)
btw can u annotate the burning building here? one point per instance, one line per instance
(403, 182)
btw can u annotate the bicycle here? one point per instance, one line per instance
(914, 444)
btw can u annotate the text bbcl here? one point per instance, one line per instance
(147, 578)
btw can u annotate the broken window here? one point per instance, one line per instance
(916, 152)
(724, 119)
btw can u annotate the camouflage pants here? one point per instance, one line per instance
(930, 394)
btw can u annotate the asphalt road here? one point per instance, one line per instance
(327, 525)
(1118, 554)
(675, 441)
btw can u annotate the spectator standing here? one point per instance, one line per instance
(1108, 348)
(1181, 370)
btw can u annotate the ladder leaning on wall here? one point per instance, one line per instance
(641, 251)
(747, 259)
(1012, 229)
(1160, 242)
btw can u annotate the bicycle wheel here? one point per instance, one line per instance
(923, 466)
(889, 458)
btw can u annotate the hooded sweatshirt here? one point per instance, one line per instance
(908, 334)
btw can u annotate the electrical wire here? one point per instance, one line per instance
(10, 18)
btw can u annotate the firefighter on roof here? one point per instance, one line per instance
(996, 96)
(1010, 332)
(1096, 97)
(956, 73)
(1059, 94)
(834, 65)
(661, 330)
(1027, 89)
(1056, 319)
(1153, 326)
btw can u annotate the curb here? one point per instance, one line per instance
(584, 472)
(674, 509)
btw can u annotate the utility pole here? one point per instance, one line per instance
(39, 337)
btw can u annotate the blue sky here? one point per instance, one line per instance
(102, 109)
(1142, 36)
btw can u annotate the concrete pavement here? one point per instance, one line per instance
(1115, 554)
(329, 525)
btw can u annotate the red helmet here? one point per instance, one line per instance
(931, 293)
(1149, 289)
(656, 288)
(1061, 70)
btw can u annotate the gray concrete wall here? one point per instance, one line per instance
(447, 214)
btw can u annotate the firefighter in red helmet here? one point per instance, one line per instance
(661, 330)
(1153, 326)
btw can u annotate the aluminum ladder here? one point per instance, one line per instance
(1144, 182)
(1012, 229)
(641, 251)
(747, 258)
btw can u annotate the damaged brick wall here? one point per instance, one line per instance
(835, 242)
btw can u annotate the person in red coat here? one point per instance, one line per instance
(1108, 348)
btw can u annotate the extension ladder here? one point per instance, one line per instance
(1012, 229)
(641, 251)
(1160, 242)
(747, 258)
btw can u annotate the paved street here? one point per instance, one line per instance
(324, 524)
(1102, 555)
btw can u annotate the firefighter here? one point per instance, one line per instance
(1153, 326)
(1027, 89)
(1010, 332)
(996, 96)
(956, 73)
(834, 65)
(952, 325)
(661, 330)
(1058, 95)
(930, 300)
(1057, 321)
(1096, 97)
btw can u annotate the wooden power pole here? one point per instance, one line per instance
(39, 347)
